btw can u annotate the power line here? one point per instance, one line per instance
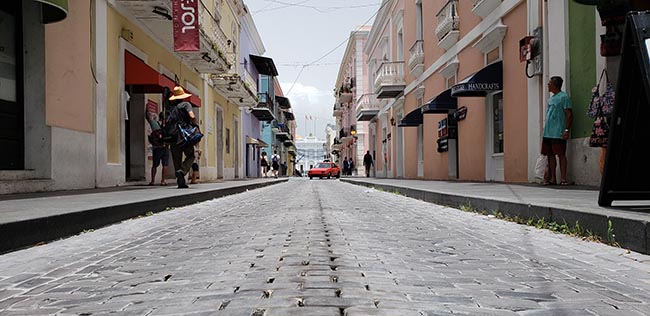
(316, 8)
(337, 46)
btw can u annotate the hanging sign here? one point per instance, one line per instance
(461, 113)
(186, 25)
(443, 131)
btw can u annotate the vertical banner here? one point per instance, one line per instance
(186, 25)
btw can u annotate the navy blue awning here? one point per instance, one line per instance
(443, 103)
(264, 65)
(413, 118)
(488, 79)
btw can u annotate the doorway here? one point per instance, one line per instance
(400, 147)
(134, 137)
(12, 133)
(494, 143)
(219, 140)
(235, 141)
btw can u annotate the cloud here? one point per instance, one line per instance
(312, 102)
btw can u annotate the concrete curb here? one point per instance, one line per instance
(22, 234)
(629, 233)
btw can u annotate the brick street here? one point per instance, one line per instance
(322, 248)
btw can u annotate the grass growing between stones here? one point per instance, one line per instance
(541, 223)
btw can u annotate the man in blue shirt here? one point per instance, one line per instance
(556, 130)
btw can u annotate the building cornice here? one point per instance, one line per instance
(476, 33)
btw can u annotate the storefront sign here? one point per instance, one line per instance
(443, 131)
(480, 86)
(186, 25)
(461, 113)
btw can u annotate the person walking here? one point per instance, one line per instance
(181, 113)
(195, 165)
(367, 163)
(264, 163)
(275, 163)
(556, 131)
(350, 167)
(159, 149)
(346, 166)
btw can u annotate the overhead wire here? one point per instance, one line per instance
(336, 47)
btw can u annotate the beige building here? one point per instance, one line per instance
(85, 95)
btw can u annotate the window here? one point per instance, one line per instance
(227, 140)
(418, 20)
(493, 55)
(451, 81)
(497, 125)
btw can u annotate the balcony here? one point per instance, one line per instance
(367, 107)
(239, 88)
(338, 109)
(389, 82)
(283, 132)
(416, 61)
(210, 58)
(344, 94)
(447, 30)
(263, 110)
(483, 8)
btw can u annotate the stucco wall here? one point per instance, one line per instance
(69, 89)
(515, 96)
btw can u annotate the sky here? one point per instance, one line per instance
(300, 32)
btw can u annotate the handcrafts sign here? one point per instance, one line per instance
(186, 25)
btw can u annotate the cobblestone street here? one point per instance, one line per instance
(322, 248)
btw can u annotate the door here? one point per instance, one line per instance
(400, 147)
(384, 152)
(494, 155)
(12, 132)
(420, 151)
(219, 140)
(235, 141)
(135, 146)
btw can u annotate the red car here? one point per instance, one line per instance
(324, 169)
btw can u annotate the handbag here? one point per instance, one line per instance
(188, 135)
(599, 131)
(604, 103)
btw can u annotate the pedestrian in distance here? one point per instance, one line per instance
(556, 131)
(264, 163)
(346, 166)
(275, 163)
(159, 148)
(195, 165)
(181, 113)
(350, 167)
(367, 163)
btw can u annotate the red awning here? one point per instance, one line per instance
(145, 79)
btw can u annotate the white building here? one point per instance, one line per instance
(310, 151)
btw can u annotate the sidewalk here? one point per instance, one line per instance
(27, 219)
(568, 205)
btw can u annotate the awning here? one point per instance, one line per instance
(289, 116)
(283, 102)
(413, 118)
(145, 79)
(54, 10)
(443, 103)
(488, 79)
(264, 65)
(255, 141)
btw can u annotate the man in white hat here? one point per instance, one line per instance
(182, 167)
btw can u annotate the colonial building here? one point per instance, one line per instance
(459, 87)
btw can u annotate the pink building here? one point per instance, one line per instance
(444, 94)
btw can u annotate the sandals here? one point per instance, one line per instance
(564, 183)
(547, 183)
